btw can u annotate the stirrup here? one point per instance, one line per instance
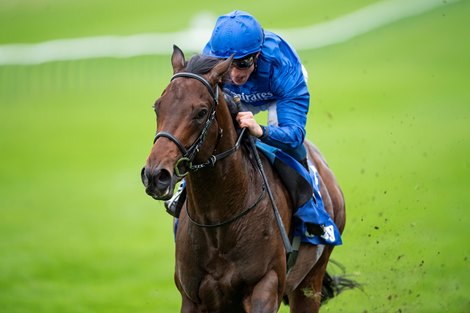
(174, 205)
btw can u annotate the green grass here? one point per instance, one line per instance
(392, 118)
(33, 21)
(390, 111)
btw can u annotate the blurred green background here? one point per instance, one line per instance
(390, 112)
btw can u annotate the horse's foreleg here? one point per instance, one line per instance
(265, 295)
(188, 307)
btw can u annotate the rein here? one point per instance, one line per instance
(214, 158)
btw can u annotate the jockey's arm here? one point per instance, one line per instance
(291, 108)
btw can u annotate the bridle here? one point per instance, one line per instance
(188, 156)
(185, 164)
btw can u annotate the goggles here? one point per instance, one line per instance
(245, 62)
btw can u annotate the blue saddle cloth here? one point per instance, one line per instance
(304, 187)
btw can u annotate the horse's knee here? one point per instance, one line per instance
(265, 297)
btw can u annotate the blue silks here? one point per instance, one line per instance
(278, 76)
(312, 210)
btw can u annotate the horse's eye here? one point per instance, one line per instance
(201, 114)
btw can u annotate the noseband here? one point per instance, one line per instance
(184, 164)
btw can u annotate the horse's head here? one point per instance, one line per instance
(186, 131)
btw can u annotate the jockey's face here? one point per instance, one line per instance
(242, 69)
(240, 76)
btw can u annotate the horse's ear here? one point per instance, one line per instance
(219, 70)
(177, 60)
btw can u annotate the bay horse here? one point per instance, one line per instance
(229, 252)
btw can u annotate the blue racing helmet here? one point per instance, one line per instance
(237, 33)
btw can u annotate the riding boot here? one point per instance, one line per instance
(174, 205)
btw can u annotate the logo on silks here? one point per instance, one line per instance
(329, 234)
(252, 97)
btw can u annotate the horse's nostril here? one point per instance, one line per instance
(158, 182)
(163, 179)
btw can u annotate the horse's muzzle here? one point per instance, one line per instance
(158, 183)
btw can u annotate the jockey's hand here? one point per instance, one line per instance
(246, 119)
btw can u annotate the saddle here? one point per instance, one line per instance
(292, 174)
(310, 220)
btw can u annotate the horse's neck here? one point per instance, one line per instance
(217, 193)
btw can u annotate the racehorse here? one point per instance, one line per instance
(229, 252)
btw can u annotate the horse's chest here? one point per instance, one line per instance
(219, 283)
(221, 275)
(218, 272)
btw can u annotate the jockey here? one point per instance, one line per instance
(266, 74)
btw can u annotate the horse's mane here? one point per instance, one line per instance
(201, 64)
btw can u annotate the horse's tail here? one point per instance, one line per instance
(336, 284)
